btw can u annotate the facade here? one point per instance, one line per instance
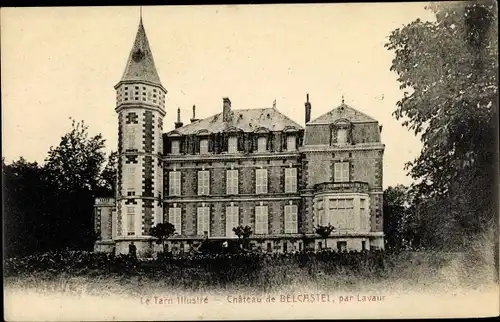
(254, 167)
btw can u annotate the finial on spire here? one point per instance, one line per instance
(140, 12)
(274, 103)
(342, 99)
(307, 97)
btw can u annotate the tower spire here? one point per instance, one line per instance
(140, 64)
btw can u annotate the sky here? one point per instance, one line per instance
(59, 63)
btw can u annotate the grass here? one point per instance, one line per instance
(415, 271)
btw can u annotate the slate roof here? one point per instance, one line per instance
(140, 65)
(247, 120)
(342, 111)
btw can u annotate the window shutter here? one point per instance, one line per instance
(168, 146)
(269, 142)
(216, 143)
(196, 144)
(241, 142)
(181, 146)
(255, 142)
(225, 144)
(351, 171)
(210, 143)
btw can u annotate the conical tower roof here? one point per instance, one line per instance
(140, 65)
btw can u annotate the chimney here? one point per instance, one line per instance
(178, 124)
(194, 119)
(226, 109)
(380, 128)
(308, 109)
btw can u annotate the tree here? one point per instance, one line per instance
(27, 221)
(109, 175)
(397, 203)
(324, 232)
(74, 169)
(76, 162)
(447, 69)
(162, 231)
(243, 233)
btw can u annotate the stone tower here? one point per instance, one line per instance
(140, 105)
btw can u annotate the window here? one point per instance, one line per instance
(290, 219)
(341, 136)
(204, 146)
(232, 182)
(203, 182)
(262, 144)
(174, 182)
(130, 137)
(130, 221)
(232, 220)
(290, 179)
(261, 181)
(233, 144)
(291, 143)
(203, 221)
(261, 223)
(322, 217)
(130, 183)
(341, 172)
(175, 145)
(341, 246)
(341, 213)
(174, 217)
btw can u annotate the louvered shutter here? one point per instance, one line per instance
(225, 143)
(241, 142)
(168, 145)
(211, 143)
(196, 144)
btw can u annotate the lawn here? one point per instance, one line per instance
(98, 274)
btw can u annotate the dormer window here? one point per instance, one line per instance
(291, 143)
(175, 147)
(340, 132)
(342, 136)
(233, 144)
(262, 144)
(204, 146)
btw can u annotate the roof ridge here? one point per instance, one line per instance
(364, 117)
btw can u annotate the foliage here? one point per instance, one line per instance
(108, 176)
(50, 206)
(243, 232)
(324, 232)
(397, 227)
(447, 69)
(162, 231)
(324, 270)
(76, 162)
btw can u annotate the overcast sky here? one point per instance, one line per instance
(63, 62)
